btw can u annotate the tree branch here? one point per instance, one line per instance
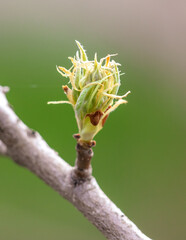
(27, 148)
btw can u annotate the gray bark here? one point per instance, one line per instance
(3, 149)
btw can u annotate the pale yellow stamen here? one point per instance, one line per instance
(74, 62)
(107, 61)
(109, 55)
(119, 102)
(115, 96)
(60, 102)
(67, 72)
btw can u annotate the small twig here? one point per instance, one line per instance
(83, 168)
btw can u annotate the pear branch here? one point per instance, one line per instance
(27, 148)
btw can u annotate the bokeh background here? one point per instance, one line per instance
(139, 159)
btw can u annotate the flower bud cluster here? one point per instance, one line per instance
(93, 92)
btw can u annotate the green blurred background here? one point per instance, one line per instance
(140, 153)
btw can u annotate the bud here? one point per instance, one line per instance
(94, 91)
